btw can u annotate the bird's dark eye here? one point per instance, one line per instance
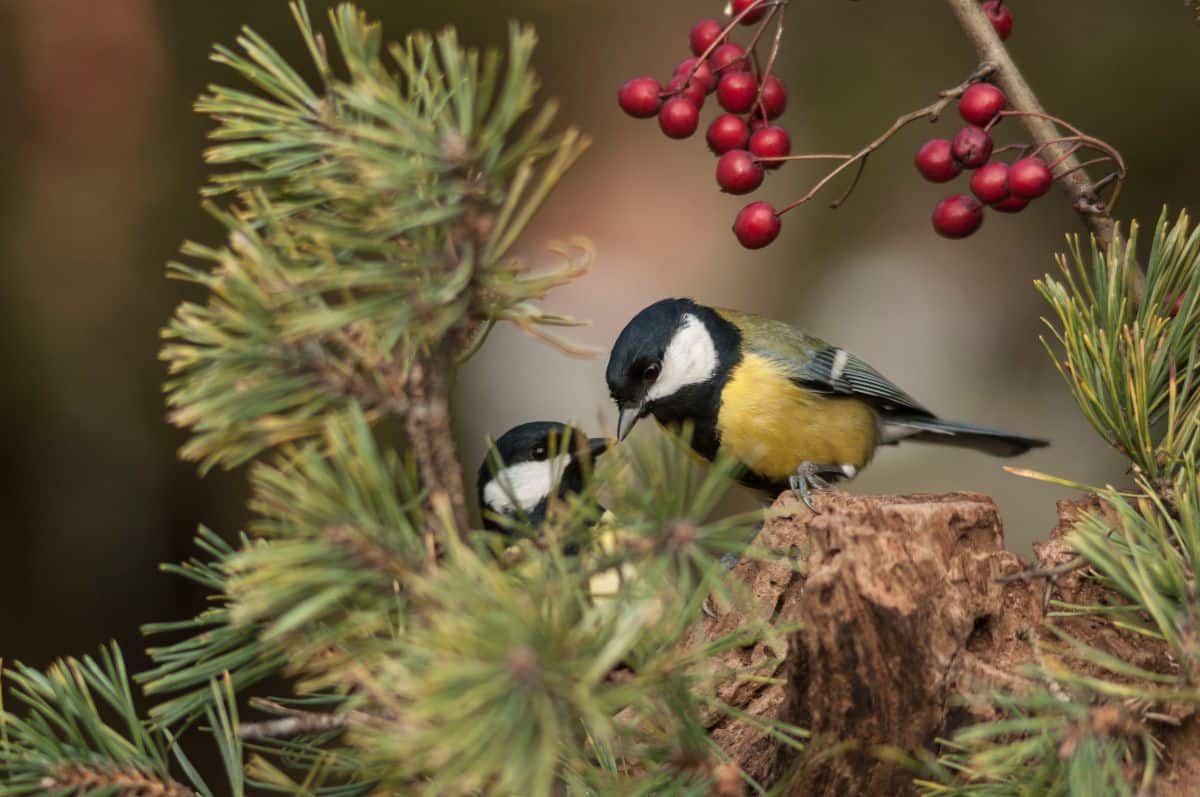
(539, 452)
(651, 372)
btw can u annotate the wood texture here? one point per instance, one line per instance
(899, 612)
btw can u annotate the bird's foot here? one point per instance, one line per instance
(808, 478)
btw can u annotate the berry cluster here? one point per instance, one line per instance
(1005, 187)
(744, 137)
(748, 142)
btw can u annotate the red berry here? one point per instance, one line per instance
(737, 173)
(693, 92)
(679, 117)
(729, 57)
(774, 98)
(1000, 16)
(727, 132)
(935, 161)
(756, 225)
(990, 183)
(704, 33)
(980, 103)
(770, 142)
(957, 216)
(738, 6)
(703, 74)
(756, 122)
(1029, 178)
(1011, 204)
(639, 97)
(736, 91)
(972, 146)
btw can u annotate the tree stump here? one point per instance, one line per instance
(899, 612)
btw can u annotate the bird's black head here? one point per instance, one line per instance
(670, 361)
(530, 462)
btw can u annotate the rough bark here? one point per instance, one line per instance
(899, 612)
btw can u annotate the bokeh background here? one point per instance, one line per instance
(101, 168)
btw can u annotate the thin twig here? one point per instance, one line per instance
(1099, 184)
(1105, 180)
(1076, 563)
(930, 112)
(762, 28)
(862, 164)
(295, 725)
(766, 72)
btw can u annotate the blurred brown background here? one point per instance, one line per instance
(100, 176)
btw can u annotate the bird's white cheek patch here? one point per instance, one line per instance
(690, 359)
(524, 485)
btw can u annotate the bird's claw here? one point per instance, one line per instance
(804, 480)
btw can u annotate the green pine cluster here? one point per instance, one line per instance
(1096, 723)
(371, 211)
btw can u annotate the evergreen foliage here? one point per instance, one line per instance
(65, 744)
(1133, 367)
(370, 222)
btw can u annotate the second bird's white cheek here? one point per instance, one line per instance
(523, 486)
(689, 359)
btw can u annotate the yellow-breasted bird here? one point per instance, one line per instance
(793, 410)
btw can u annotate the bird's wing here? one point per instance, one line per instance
(818, 366)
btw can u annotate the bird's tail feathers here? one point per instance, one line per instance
(965, 435)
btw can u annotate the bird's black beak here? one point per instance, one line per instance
(627, 417)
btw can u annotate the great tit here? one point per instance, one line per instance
(793, 410)
(528, 464)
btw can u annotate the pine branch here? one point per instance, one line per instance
(216, 646)
(1129, 355)
(81, 734)
(371, 221)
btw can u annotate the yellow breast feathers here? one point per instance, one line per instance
(771, 425)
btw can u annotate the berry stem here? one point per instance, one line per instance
(862, 164)
(1023, 149)
(807, 157)
(1078, 145)
(1090, 205)
(930, 112)
(766, 72)
(762, 28)
(1093, 162)
(729, 28)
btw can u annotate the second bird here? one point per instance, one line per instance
(793, 410)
